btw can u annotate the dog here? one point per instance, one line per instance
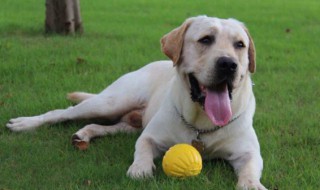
(203, 96)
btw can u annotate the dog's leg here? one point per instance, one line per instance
(249, 167)
(131, 122)
(77, 97)
(82, 137)
(146, 151)
(96, 107)
(119, 98)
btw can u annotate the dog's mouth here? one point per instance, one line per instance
(215, 99)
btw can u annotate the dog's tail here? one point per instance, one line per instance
(78, 97)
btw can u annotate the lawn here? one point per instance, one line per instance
(36, 72)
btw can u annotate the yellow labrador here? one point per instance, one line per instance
(203, 96)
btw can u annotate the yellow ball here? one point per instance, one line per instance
(182, 160)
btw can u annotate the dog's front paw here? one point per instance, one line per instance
(139, 170)
(250, 185)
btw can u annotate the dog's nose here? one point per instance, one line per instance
(226, 65)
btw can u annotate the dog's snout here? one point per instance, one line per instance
(226, 65)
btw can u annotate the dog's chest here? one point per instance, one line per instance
(205, 140)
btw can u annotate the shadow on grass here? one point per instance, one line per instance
(16, 30)
(13, 29)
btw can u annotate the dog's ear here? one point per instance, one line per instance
(252, 53)
(172, 43)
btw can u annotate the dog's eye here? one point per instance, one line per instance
(207, 40)
(239, 45)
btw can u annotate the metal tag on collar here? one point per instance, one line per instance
(198, 143)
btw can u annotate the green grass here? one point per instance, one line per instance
(37, 71)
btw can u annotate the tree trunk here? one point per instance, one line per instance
(63, 17)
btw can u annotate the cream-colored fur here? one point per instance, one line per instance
(159, 93)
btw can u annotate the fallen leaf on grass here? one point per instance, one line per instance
(87, 182)
(81, 60)
(288, 30)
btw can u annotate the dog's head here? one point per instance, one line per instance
(214, 55)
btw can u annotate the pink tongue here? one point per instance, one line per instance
(217, 106)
